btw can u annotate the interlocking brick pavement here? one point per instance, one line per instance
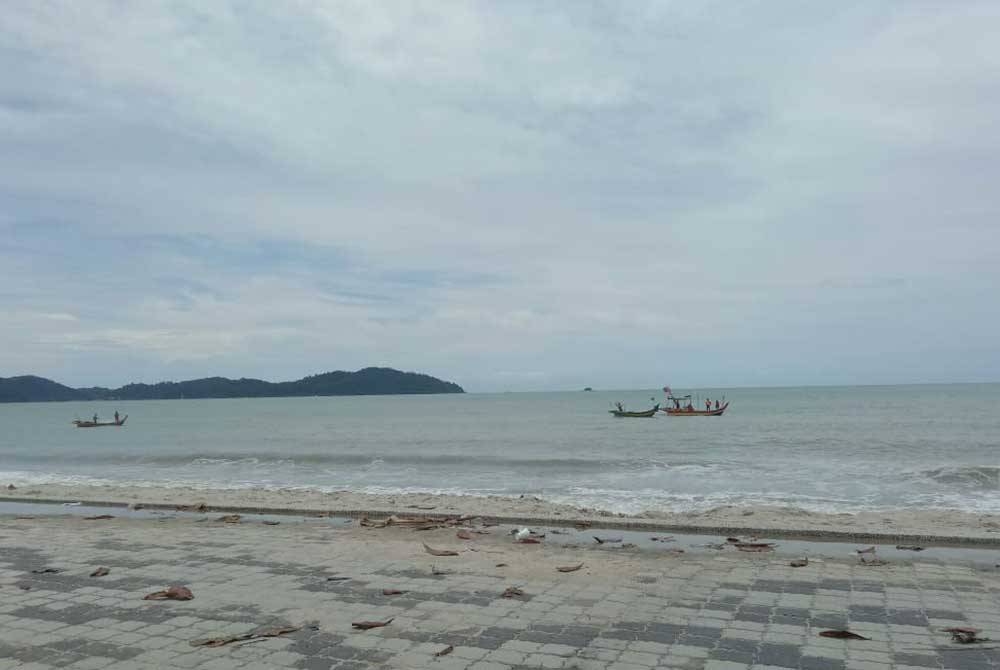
(630, 610)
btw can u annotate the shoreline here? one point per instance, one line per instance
(946, 527)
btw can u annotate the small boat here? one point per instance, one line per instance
(99, 424)
(685, 411)
(621, 413)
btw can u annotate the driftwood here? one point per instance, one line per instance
(46, 571)
(99, 517)
(569, 568)
(439, 552)
(754, 546)
(607, 540)
(171, 593)
(909, 547)
(444, 652)
(259, 633)
(392, 592)
(368, 625)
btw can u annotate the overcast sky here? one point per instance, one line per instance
(510, 195)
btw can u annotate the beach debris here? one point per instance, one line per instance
(664, 538)
(100, 572)
(437, 571)
(909, 547)
(135, 506)
(46, 571)
(439, 552)
(230, 518)
(337, 579)
(556, 531)
(733, 540)
(758, 547)
(873, 562)
(569, 568)
(463, 535)
(521, 534)
(422, 507)
(368, 625)
(582, 525)
(965, 635)
(717, 546)
(72, 504)
(674, 552)
(99, 517)
(444, 652)
(269, 522)
(24, 587)
(747, 512)
(255, 634)
(392, 592)
(199, 507)
(171, 593)
(842, 635)
(799, 562)
(607, 540)
(867, 550)
(501, 565)
(512, 592)
(530, 540)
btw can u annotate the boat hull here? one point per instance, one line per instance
(696, 412)
(635, 415)
(100, 424)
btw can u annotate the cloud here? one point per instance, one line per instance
(509, 195)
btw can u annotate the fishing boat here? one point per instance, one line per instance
(683, 406)
(689, 410)
(622, 413)
(99, 424)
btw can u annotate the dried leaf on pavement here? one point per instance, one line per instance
(171, 593)
(439, 552)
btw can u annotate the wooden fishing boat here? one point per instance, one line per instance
(684, 411)
(635, 415)
(99, 424)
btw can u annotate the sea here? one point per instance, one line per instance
(825, 449)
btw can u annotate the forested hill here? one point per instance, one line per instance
(368, 381)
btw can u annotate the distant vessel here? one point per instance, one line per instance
(588, 389)
(100, 424)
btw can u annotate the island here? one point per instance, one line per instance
(367, 381)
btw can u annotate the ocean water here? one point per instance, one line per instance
(821, 449)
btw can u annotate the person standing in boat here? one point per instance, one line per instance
(708, 405)
(116, 416)
(95, 417)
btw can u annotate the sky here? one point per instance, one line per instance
(508, 195)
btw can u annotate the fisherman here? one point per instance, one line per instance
(116, 415)
(708, 405)
(95, 418)
(716, 404)
(621, 408)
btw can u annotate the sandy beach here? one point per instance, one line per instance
(928, 524)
